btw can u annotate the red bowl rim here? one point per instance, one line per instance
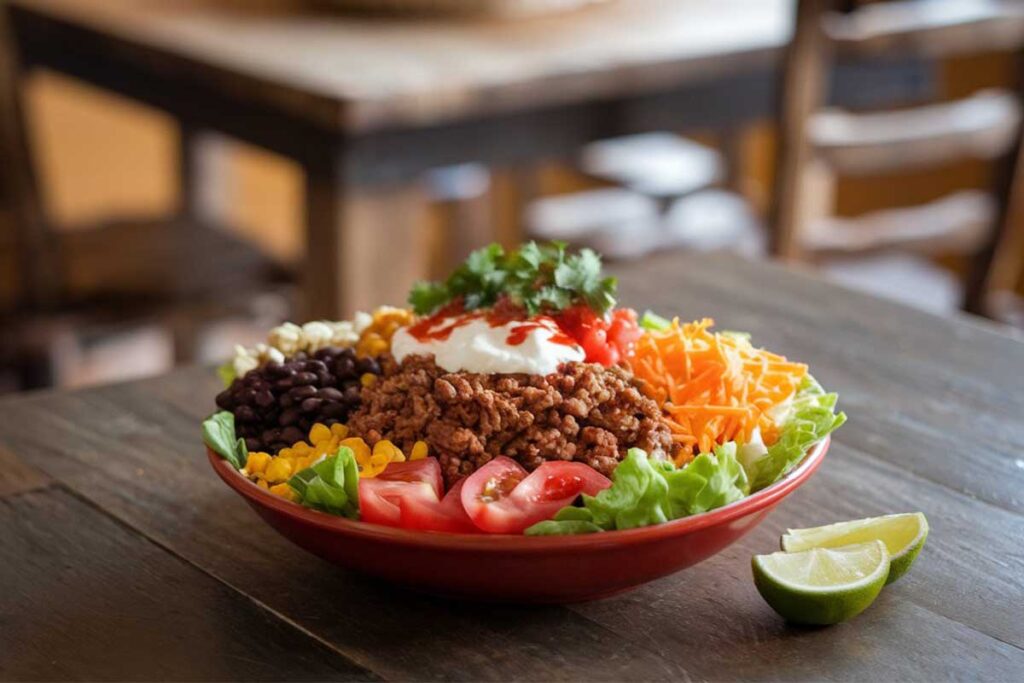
(765, 498)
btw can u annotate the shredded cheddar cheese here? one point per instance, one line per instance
(713, 387)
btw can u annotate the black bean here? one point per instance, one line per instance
(286, 400)
(344, 366)
(303, 392)
(275, 369)
(352, 395)
(335, 411)
(368, 365)
(270, 435)
(311, 404)
(292, 435)
(329, 394)
(264, 399)
(283, 383)
(225, 400)
(253, 444)
(316, 366)
(288, 417)
(302, 378)
(245, 414)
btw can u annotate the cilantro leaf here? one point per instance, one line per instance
(538, 277)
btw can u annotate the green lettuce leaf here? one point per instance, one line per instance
(331, 485)
(812, 417)
(709, 481)
(219, 435)
(646, 492)
(226, 372)
(654, 322)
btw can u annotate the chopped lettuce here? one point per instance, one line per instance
(646, 492)
(219, 435)
(654, 322)
(811, 418)
(226, 372)
(331, 485)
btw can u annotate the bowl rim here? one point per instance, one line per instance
(498, 543)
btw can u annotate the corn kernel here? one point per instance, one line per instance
(339, 430)
(379, 460)
(262, 483)
(278, 470)
(368, 379)
(387, 449)
(302, 449)
(286, 453)
(359, 447)
(319, 432)
(283, 490)
(419, 451)
(257, 462)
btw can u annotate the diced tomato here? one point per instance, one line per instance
(605, 340)
(444, 515)
(380, 497)
(502, 498)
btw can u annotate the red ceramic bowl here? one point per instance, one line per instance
(518, 568)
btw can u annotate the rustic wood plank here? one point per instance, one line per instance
(955, 609)
(17, 477)
(916, 386)
(134, 450)
(342, 72)
(84, 598)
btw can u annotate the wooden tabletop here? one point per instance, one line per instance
(124, 557)
(358, 73)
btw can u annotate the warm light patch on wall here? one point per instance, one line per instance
(99, 155)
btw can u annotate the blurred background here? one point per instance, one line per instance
(178, 176)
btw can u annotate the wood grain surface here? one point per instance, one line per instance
(935, 426)
(356, 73)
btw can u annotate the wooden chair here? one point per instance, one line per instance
(174, 273)
(816, 144)
(663, 191)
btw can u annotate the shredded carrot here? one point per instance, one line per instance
(713, 388)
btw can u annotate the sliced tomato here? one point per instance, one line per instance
(380, 497)
(502, 498)
(380, 500)
(426, 470)
(446, 514)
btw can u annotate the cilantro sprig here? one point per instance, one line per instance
(538, 277)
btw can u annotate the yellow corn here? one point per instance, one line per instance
(368, 379)
(286, 453)
(319, 432)
(262, 483)
(389, 450)
(359, 447)
(278, 470)
(301, 449)
(256, 462)
(339, 430)
(419, 451)
(283, 490)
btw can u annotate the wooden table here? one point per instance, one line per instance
(123, 556)
(364, 106)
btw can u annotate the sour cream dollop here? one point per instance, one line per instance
(476, 345)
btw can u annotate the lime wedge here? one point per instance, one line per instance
(903, 535)
(822, 585)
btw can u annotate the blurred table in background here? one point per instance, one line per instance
(366, 104)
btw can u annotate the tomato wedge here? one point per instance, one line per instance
(427, 470)
(446, 514)
(502, 498)
(380, 497)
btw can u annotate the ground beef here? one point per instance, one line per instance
(583, 412)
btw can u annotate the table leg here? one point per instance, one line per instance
(364, 247)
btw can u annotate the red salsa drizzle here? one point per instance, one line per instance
(440, 325)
